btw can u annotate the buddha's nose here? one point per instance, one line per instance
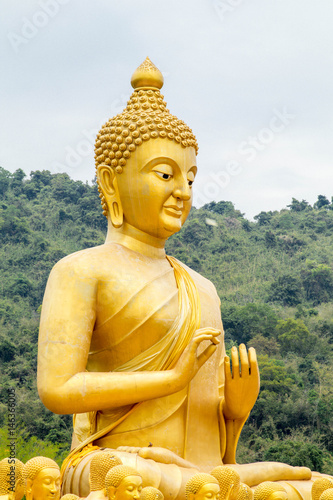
(182, 190)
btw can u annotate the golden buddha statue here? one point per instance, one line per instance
(100, 465)
(244, 492)
(131, 340)
(11, 479)
(151, 493)
(319, 486)
(229, 482)
(123, 483)
(202, 486)
(327, 494)
(269, 490)
(41, 479)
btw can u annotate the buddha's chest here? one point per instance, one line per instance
(135, 310)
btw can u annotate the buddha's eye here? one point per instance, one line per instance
(190, 178)
(163, 175)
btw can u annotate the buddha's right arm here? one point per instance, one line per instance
(67, 322)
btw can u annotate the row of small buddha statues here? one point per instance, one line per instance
(109, 479)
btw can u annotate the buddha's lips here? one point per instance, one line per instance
(174, 210)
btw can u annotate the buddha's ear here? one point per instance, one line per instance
(107, 181)
(111, 492)
(28, 486)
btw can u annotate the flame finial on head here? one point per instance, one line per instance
(147, 75)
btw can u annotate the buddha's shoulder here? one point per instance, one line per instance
(91, 262)
(201, 282)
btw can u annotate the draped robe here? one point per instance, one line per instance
(172, 304)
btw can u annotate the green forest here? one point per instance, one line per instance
(274, 277)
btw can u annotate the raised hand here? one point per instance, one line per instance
(190, 362)
(242, 383)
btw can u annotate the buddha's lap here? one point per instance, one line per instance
(171, 479)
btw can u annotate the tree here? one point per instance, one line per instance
(287, 290)
(322, 202)
(242, 323)
(263, 218)
(5, 178)
(274, 375)
(294, 336)
(223, 208)
(298, 206)
(318, 283)
(296, 453)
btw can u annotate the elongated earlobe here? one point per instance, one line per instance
(108, 184)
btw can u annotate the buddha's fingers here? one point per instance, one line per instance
(254, 370)
(244, 361)
(128, 449)
(206, 354)
(227, 368)
(235, 363)
(164, 456)
(206, 334)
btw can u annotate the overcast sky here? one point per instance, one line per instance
(252, 78)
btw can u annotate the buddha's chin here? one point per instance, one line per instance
(172, 226)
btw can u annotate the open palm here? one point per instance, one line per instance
(242, 383)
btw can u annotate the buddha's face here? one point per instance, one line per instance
(46, 485)
(278, 495)
(209, 491)
(155, 187)
(129, 489)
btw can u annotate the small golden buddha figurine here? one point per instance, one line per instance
(319, 486)
(269, 490)
(151, 493)
(202, 486)
(11, 479)
(131, 339)
(123, 483)
(229, 482)
(100, 465)
(41, 479)
(244, 492)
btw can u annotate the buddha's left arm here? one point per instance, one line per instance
(238, 395)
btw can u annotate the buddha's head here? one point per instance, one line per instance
(269, 490)
(202, 486)
(151, 493)
(319, 486)
(123, 483)
(11, 478)
(327, 494)
(244, 492)
(100, 465)
(41, 479)
(146, 161)
(229, 481)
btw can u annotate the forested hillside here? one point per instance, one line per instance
(274, 277)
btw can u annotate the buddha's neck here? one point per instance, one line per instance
(136, 240)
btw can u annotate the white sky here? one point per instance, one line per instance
(234, 70)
